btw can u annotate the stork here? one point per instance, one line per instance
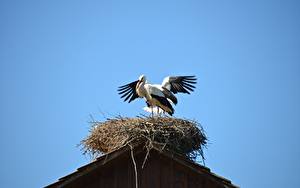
(158, 95)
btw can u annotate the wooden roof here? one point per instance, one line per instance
(106, 159)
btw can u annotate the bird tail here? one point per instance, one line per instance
(164, 104)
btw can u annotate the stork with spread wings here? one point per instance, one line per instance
(158, 95)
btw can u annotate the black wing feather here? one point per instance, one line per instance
(124, 90)
(182, 84)
(128, 91)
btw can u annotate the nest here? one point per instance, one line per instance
(184, 137)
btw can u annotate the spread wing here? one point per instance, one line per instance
(180, 84)
(128, 91)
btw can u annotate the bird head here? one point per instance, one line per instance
(142, 78)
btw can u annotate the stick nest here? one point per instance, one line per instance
(184, 137)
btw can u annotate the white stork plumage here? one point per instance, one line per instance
(158, 95)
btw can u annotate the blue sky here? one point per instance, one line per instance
(61, 61)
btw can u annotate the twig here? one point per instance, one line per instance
(134, 165)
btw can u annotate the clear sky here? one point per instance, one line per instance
(62, 61)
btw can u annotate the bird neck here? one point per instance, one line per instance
(140, 90)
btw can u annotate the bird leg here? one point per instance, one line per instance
(152, 111)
